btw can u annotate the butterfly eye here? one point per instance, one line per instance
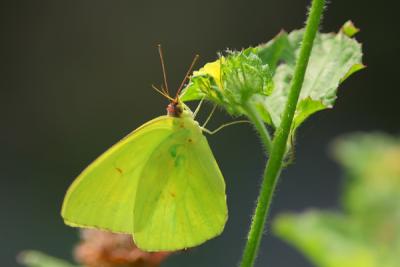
(174, 109)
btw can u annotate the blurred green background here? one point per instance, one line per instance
(76, 77)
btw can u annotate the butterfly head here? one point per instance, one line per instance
(174, 109)
(178, 109)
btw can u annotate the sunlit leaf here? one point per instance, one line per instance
(349, 29)
(245, 75)
(333, 59)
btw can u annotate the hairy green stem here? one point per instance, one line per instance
(278, 149)
(258, 123)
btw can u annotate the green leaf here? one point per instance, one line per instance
(33, 258)
(276, 50)
(244, 75)
(353, 69)
(333, 59)
(349, 29)
(305, 108)
(367, 233)
(206, 82)
(263, 75)
(372, 162)
(328, 239)
(195, 90)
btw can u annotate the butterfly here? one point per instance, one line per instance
(161, 184)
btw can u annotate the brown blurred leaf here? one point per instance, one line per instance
(104, 249)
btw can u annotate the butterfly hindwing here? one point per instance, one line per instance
(181, 198)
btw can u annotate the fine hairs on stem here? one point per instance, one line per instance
(278, 147)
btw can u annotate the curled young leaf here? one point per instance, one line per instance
(231, 81)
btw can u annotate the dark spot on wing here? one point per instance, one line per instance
(172, 194)
(190, 140)
(118, 170)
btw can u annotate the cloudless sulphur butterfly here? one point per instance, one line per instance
(161, 184)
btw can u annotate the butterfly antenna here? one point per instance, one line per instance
(196, 57)
(163, 69)
(162, 92)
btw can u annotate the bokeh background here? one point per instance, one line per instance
(76, 77)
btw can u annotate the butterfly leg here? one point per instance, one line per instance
(223, 126)
(209, 116)
(198, 108)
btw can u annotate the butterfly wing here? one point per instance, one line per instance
(181, 199)
(103, 195)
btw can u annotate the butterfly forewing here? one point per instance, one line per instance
(103, 194)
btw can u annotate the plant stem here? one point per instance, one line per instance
(258, 123)
(275, 162)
